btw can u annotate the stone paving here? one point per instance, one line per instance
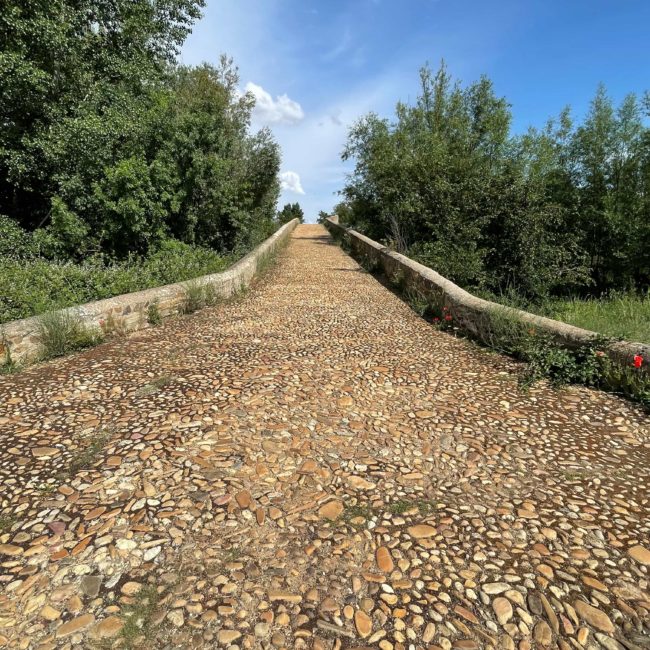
(314, 466)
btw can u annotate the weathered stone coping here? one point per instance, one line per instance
(474, 314)
(129, 311)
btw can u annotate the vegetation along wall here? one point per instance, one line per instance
(20, 340)
(470, 313)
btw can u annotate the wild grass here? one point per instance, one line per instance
(63, 332)
(154, 317)
(6, 523)
(88, 456)
(138, 618)
(35, 286)
(154, 386)
(619, 315)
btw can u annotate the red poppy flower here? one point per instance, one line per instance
(447, 316)
(436, 320)
(638, 360)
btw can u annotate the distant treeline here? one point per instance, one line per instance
(109, 147)
(557, 211)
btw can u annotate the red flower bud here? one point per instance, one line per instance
(638, 360)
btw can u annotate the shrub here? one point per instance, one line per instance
(560, 365)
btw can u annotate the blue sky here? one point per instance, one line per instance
(317, 66)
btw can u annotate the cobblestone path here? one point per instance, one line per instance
(314, 466)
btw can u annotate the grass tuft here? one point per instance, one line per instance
(138, 618)
(62, 332)
(154, 316)
(6, 523)
(88, 456)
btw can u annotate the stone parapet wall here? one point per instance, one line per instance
(473, 314)
(129, 312)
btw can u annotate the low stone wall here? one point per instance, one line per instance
(129, 311)
(473, 314)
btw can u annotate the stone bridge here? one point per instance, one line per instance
(315, 466)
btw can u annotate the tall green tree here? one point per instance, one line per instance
(289, 212)
(557, 210)
(108, 146)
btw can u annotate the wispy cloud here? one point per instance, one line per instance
(290, 181)
(341, 47)
(281, 110)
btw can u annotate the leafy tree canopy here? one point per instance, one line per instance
(557, 210)
(289, 212)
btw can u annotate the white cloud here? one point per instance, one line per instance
(281, 110)
(291, 181)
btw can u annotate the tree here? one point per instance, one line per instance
(556, 210)
(289, 212)
(108, 146)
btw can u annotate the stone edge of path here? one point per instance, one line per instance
(129, 311)
(472, 313)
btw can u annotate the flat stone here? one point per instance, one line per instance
(363, 623)
(243, 499)
(286, 596)
(359, 483)
(49, 613)
(384, 559)
(44, 452)
(543, 634)
(107, 628)
(131, 588)
(421, 531)
(331, 510)
(90, 585)
(640, 554)
(502, 609)
(10, 549)
(75, 625)
(226, 637)
(595, 617)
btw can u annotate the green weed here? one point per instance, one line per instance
(6, 523)
(62, 332)
(154, 386)
(154, 317)
(138, 618)
(194, 297)
(87, 457)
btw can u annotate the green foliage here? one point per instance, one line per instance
(154, 317)
(6, 523)
(556, 211)
(62, 332)
(108, 146)
(36, 285)
(322, 216)
(290, 212)
(619, 315)
(560, 365)
(138, 617)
